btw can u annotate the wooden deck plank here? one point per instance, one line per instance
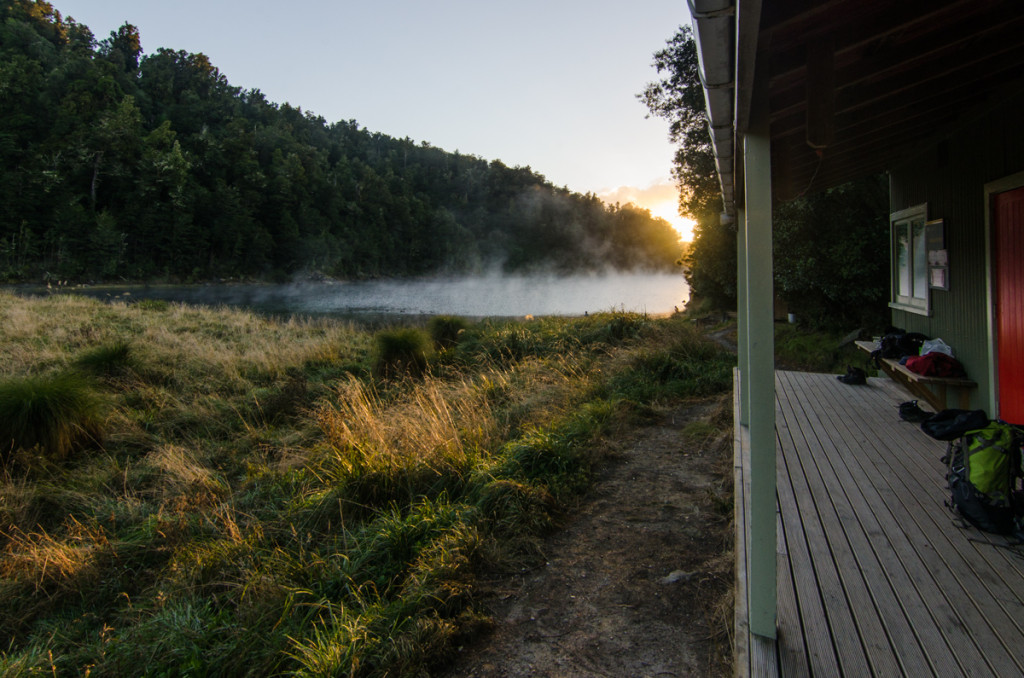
(867, 636)
(887, 538)
(880, 567)
(763, 657)
(911, 437)
(792, 652)
(921, 508)
(816, 588)
(908, 480)
(984, 551)
(819, 647)
(867, 630)
(874, 579)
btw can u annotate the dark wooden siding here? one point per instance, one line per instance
(950, 177)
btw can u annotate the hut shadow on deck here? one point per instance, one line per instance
(876, 576)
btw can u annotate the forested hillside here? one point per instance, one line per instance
(115, 164)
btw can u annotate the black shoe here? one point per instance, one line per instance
(853, 376)
(909, 411)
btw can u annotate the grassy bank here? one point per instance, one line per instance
(227, 493)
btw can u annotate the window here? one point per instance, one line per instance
(909, 260)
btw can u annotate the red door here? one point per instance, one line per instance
(1008, 259)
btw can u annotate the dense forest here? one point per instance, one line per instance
(115, 164)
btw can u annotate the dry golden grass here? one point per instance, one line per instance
(544, 389)
(181, 471)
(450, 420)
(192, 344)
(435, 421)
(181, 342)
(47, 561)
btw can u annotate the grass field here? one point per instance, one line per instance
(210, 492)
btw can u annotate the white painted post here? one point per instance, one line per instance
(742, 321)
(761, 367)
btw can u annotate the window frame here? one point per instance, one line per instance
(910, 273)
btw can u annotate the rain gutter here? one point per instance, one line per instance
(714, 31)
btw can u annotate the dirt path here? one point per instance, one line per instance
(638, 581)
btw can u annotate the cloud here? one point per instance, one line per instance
(660, 197)
(660, 192)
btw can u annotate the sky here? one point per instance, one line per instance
(549, 84)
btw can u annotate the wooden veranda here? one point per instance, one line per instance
(875, 575)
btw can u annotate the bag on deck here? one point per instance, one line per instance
(897, 345)
(951, 424)
(983, 473)
(936, 364)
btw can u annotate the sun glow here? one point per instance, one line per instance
(661, 198)
(669, 212)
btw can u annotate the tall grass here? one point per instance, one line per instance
(260, 504)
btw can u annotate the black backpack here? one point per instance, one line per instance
(898, 344)
(951, 424)
(984, 472)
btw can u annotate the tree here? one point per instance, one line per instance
(678, 97)
(826, 263)
(123, 48)
(827, 267)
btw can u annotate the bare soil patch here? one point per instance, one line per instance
(638, 581)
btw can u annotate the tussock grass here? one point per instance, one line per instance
(400, 352)
(53, 414)
(260, 499)
(180, 471)
(436, 420)
(106, 360)
(446, 330)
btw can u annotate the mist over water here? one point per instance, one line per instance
(497, 295)
(500, 295)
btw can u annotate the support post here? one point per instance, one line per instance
(761, 367)
(742, 322)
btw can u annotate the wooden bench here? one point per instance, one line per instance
(930, 389)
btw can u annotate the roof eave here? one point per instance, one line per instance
(726, 34)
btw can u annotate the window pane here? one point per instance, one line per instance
(909, 251)
(902, 261)
(919, 247)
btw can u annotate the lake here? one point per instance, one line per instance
(493, 295)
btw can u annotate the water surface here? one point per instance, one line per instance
(653, 293)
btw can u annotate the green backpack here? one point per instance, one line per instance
(983, 474)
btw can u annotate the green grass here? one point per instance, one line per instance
(153, 304)
(806, 350)
(260, 499)
(53, 414)
(400, 352)
(106, 360)
(446, 330)
(690, 366)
